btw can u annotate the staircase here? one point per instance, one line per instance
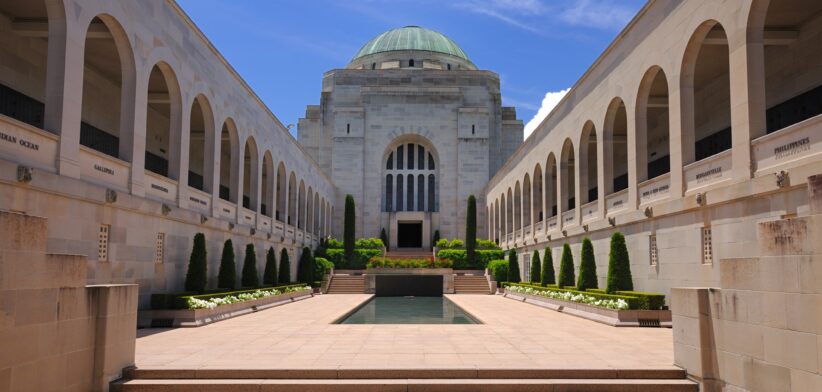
(471, 284)
(346, 284)
(463, 379)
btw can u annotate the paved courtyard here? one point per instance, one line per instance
(301, 336)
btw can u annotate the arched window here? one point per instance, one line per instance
(162, 116)
(406, 188)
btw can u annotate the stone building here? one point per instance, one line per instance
(410, 128)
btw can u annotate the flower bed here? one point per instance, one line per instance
(603, 308)
(213, 302)
(615, 304)
(211, 308)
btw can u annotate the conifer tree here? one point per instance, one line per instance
(227, 277)
(285, 268)
(471, 231)
(250, 278)
(513, 266)
(270, 273)
(619, 266)
(587, 267)
(197, 274)
(306, 267)
(535, 267)
(548, 268)
(384, 238)
(566, 267)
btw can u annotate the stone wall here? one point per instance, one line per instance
(56, 333)
(760, 328)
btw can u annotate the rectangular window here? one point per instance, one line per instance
(159, 252)
(707, 246)
(654, 253)
(102, 243)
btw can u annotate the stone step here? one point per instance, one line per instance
(408, 385)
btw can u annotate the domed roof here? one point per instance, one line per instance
(411, 38)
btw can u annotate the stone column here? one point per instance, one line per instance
(676, 136)
(747, 79)
(133, 113)
(578, 185)
(601, 205)
(64, 88)
(633, 194)
(182, 156)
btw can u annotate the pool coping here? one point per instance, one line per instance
(339, 320)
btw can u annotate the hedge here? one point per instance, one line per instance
(634, 303)
(443, 243)
(322, 267)
(460, 259)
(651, 301)
(361, 257)
(379, 262)
(362, 243)
(180, 300)
(499, 270)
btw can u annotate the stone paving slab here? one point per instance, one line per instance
(301, 335)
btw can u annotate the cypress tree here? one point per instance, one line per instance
(619, 266)
(471, 231)
(306, 267)
(285, 268)
(548, 268)
(270, 274)
(197, 274)
(348, 229)
(384, 238)
(227, 277)
(535, 267)
(566, 267)
(587, 267)
(513, 266)
(436, 237)
(250, 278)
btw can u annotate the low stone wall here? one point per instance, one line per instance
(56, 333)
(615, 318)
(199, 317)
(447, 276)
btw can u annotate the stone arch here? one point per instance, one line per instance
(653, 140)
(201, 145)
(251, 172)
(537, 199)
(163, 121)
(229, 161)
(267, 181)
(615, 147)
(551, 186)
(567, 168)
(588, 164)
(291, 219)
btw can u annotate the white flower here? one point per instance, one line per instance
(617, 304)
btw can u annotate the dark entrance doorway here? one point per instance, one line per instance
(409, 235)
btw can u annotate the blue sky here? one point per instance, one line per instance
(538, 47)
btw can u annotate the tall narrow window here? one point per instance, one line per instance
(420, 157)
(400, 154)
(411, 63)
(410, 156)
(389, 193)
(399, 192)
(390, 164)
(432, 206)
(421, 192)
(473, 129)
(430, 161)
(347, 129)
(410, 192)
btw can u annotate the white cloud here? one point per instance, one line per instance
(550, 101)
(603, 14)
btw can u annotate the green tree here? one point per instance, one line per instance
(250, 278)
(270, 274)
(535, 267)
(384, 238)
(587, 267)
(619, 266)
(566, 267)
(513, 266)
(305, 273)
(197, 274)
(227, 277)
(436, 237)
(548, 268)
(349, 228)
(471, 231)
(285, 268)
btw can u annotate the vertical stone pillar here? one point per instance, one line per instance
(181, 155)
(633, 197)
(747, 80)
(115, 333)
(694, 341)
(676, 135)
(601, 206)
(578, 185)
(133, 113)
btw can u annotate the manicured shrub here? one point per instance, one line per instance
(250, 278)
(369, 243)
(513, 266)
(384, 237)
(499, 270)
(270, 273)
(436, 238)
(619, 266)
(285, 268)
(471, 230)
(334, 243)
(566, 267)
(548, 268)
(460, 259)
(535, 268)
(587, 267)
(305, 270)
(227, 277)
(321, 267)
(379, 262)
(361, 257)
(197, 274)
(349, 227)
(456, 244)
(487, 244)
(441, 243)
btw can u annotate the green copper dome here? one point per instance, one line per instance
(411, 38)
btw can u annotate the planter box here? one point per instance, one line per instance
(200, 317)
(615, 318)
(410, 271)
